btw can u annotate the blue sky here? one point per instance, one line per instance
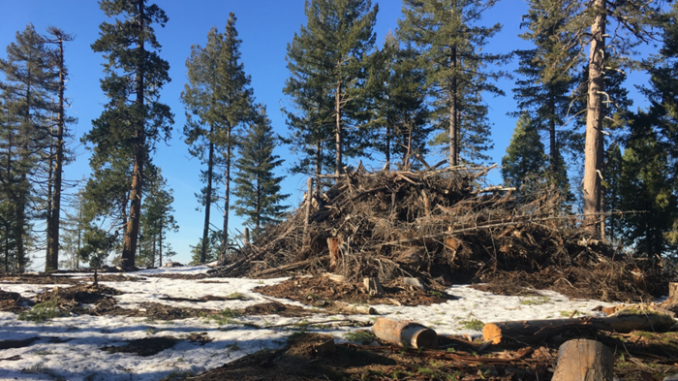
(265, 26)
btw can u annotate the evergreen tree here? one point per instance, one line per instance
(59, 159)
(632, 22)
(401, 111)
(156, 219)
(30, 81)
(328, 67)
(218, 100)
(213, 249)
(612, 191)
(73, 226)
(257, 187)
(546, 83)
(523, 165)
(134, 119)
(450, 45)
(97, 245)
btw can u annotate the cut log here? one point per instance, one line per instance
(333, 244)
(373, 286)
(416, 283)
(334, 277)
(531, 331)
(584, 360)
(405, 333)
(355, 309)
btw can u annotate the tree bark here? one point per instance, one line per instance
(337, 96)
(594, 122)
(160, 252)
(454, 129)
(388, 145)
(227, 193)
(532, 331)
(132, 232)
(405, 333)
(318, 171)
(584, 360)
(208, 199)
(55, 213)
(553, 148)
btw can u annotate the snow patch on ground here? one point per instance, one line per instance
(80, 358)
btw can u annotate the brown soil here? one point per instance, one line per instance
(603, 282)
(118, 278)
(212, 281)
(275, 308)
(39, 279)
(12, 302)
(639, 356)
(158, 311)
(74, 296)
(202, 299)
(322, 292)
(143, 347)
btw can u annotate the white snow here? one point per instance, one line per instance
(80, 358)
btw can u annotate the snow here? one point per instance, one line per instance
(80, 358)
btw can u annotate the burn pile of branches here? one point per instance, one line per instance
(442, 226)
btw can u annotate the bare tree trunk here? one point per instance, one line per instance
(208, 200)
(337, 96)
(388, 145)
(594, 122)
(160, 254)
(318, 170)
(454, 128)
(22, 199)
(553, 148)
(227, 194)
(153, 251)
(49, 257)
(132, 233)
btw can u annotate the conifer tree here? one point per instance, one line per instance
(54, 214)
(401, 110)
(134, 119)
(30, 81)
(257, 187)
(546, 82)
(630, 22)
(328, 67)
(218, 100)
(450, 44)
(156, 219)
(523, 165)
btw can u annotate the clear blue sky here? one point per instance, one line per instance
(265, 26)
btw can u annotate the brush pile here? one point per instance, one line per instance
(441, 226)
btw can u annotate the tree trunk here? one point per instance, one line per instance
(55, 214)
(405, 333)
(318, 171)
(533, 331)
(160, 253)
(594, 122)
(132, 232)
(208, 200)
(584, 360)
(388, 145)
(337, 96)
(227, 193)
(454, 129)
(153, 251)
(553, 148)
(9, 174)
(49, 258)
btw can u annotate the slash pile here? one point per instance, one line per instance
(441, 225)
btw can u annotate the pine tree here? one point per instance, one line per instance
(54, 216)
(546, 82)
(30, 80)
(257, 187)
(97, 245)
(156, 218)
(400, 103)
(328, 67)
(218, 100)
(633, 21)
(134, 119)
(523, 165)
(450, 45)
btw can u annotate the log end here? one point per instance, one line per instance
(492, 332)
(426, 338)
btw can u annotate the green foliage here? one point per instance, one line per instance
(42, 312)
(212, 252)
(523, 165)
(257, 187)
(327, 84)
(362, 337)
(97, 245)
(473, 324)
(157, 218)
(449, 32)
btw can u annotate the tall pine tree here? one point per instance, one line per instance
(450, 44)
(523, 165)
(134, 119)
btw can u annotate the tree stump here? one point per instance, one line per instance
(584, 360)
(333, 244)
(373, 286)
(673, 295)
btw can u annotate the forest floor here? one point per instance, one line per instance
(176, 323)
